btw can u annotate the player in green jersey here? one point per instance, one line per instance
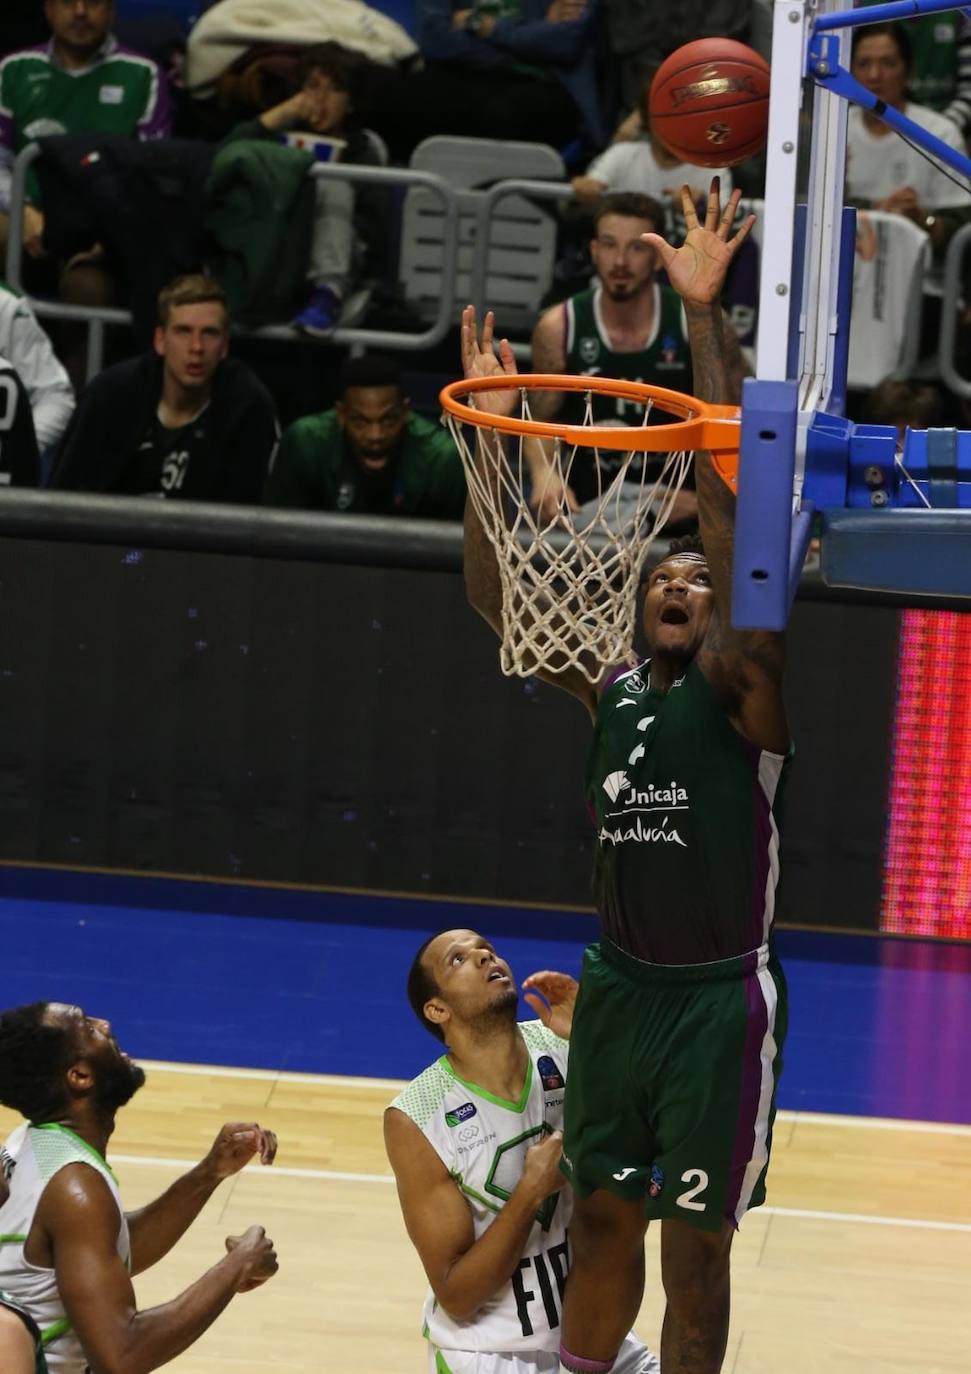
(681, 1015)
(627, 325)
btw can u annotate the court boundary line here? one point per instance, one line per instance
(324, 1080)
(336, 1176)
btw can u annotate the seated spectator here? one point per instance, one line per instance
(883, 172)
(349, 222)
(522, 69)
(645, 166)
(183, 421)
(627, 325)
(81, 81)
(19, 459)
(28, 349)
(940, 72)
(369, 455)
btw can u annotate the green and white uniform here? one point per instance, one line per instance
(118, 92)
(677, 1039)
(665, 360)
(482, 1140)
(31, 1157)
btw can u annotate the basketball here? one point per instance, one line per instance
(709, 102)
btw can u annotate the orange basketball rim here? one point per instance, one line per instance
(698, 424)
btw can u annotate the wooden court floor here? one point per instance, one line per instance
(860, 1265)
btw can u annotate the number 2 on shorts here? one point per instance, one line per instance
(699, 1181)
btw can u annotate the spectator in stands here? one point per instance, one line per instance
(940, 73)
(183, 421)
(883, 172)
(81, 81)
(506, 69)
(643, 164)
(370, 455)
(627, 326)
(28, 349)
(19, 459)
(348, 224)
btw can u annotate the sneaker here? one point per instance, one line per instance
(321, 313)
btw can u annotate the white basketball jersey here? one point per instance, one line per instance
(482, 1141)
(30, 1158)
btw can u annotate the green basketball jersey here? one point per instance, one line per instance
(686, 814)
(665, 360)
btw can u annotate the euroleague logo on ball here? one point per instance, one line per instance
(717, 133)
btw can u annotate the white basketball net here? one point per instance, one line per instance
(569, 580)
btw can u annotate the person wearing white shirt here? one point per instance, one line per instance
(883, 172)
(25, 345)
(645, 165)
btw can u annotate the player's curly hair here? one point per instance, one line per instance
(421, 986)
(685, 543)
(34, 1058)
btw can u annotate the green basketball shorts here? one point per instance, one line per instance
(672, 1079)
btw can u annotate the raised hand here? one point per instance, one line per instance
(697, 269)
(479, 360)
(553, 998)
(236, 1144)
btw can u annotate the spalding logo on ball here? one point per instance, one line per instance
(709, 102)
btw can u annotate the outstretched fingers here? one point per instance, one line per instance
(713, 206)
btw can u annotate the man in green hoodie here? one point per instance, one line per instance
(369, 455)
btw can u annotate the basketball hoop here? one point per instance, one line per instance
(569, 581)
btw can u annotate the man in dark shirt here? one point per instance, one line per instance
(370, 454)
(183, 421)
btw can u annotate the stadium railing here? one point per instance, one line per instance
(97, 318)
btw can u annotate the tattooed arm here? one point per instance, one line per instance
(744, 666)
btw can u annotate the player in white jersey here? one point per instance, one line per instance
(67, 1248)
(475, 1145)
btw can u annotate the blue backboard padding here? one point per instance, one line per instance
(898, 550)
(314, 982)
(760, 568)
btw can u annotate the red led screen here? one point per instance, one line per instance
(927, 871)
